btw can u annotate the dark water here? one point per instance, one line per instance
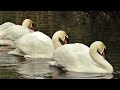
(15, 67)
(114, 53)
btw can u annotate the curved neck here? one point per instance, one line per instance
(56, 42)
(103, 64)
(25, 24)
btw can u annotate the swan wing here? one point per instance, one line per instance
(6, 25)
(35, 44)
(73, 56)
(43, 37)
(15, 31)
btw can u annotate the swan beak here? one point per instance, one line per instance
(33, 27)
(66, 41)
(104, 54)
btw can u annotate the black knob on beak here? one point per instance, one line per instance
(66, 41)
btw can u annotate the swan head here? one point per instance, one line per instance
(60, 37)
(101, 48)
(29, 24)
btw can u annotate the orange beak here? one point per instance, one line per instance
(33, 27)
(66, 41)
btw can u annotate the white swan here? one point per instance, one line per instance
(80, 58)
(9, 30)
(37, 45)
(26, 23)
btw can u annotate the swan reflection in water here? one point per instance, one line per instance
(34, 68)
(57, 73)
(40, 69)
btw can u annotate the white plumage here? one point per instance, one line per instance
(9, 31)
(37, 45)
(80, 58)
(34, 45)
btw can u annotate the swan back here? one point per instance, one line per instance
(74, 57)
(10, 31)
(14, 32)
(36, 44)
(5, 25)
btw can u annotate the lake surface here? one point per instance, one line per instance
(15, 67)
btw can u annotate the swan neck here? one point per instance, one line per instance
(102, 63)
(56, 42)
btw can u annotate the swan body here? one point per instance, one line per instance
(80, 58)
(15, 32)
(2, 28)
(6, 25)
(35, 45)
(10, 31)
